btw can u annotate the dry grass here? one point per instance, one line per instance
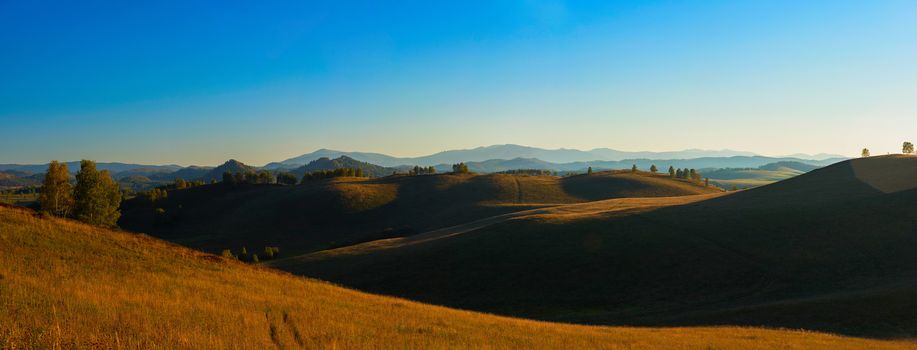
(68, 285)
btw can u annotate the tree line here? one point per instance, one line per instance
(327, 174)
(94, 199)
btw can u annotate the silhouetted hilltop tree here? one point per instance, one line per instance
(865, 152)
(671, 171)
(907, 148)
(56, 195)
(633, 169)
(653, 168)
(589, 171)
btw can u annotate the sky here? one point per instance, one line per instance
(196, 82)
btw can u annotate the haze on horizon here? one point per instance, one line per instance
(171, 82)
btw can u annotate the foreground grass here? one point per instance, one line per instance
(68, 285)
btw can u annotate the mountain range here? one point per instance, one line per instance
(510, 151)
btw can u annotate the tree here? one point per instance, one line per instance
(56, 192)
(694, 175)
(908, 148)
(679, 174)
(653, 168)
(264, 177)
(671, 171)
(460, 168)
(706, 182)
(286, 178)
(228, 179)
(589, 171)
(633, 168)
(96, 196)
(865, 152)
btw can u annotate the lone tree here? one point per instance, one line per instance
(56, 192)
(908, 148)
(671, 171)
(865, 152)
(633, 168)
(96, 196)
(589, 171)
(653, 168)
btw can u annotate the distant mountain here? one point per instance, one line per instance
(778, 166)
(232, 166)
(497, 165)
(114, 168)
(820, 156)
(189, 173)
(325, 163)
(374, 158)
(509, 151)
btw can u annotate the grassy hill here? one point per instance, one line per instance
(760, 176)
(829, 250)
(68, 285)
(328, 213)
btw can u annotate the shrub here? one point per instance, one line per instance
(254, 257)
(228, 254)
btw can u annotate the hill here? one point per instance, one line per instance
(830, 250)
(232, 166)
(68, 285)
(370, 170)
(327, 213)
(753, 177)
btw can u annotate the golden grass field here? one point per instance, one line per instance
(67, 285)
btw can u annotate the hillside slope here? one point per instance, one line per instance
(68, 285)
(830, 250)
(327, 213)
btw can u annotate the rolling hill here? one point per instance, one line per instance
(753, 177)
(327, 213)
(830, 250)
(370, 170)
(68, 285)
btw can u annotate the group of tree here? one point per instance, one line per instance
(179, 184)
(269, 253)
(687, 174)
(417, 170)
(95, 199)
(531, 172)
(261, 177)
(286, 178)
(327, 174)
(460, 168)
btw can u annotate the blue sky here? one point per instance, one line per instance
(200, 82)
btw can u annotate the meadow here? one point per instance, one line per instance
(66, 285)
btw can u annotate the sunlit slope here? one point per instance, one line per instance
(68, 285)
(328, 213)
(826, 250)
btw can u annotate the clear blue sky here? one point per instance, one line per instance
(199, 82)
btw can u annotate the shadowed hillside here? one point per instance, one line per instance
(830, 250)
(68, 285)
(321, 214)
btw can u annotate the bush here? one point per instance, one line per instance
(228, 254)
(254, 258)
